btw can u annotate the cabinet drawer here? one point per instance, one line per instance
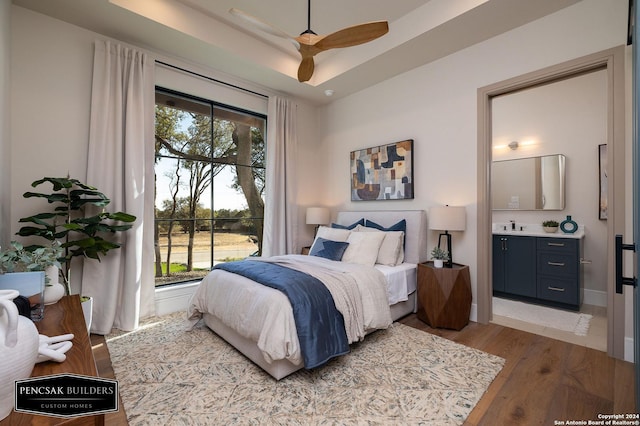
(567, 245)
(558, 264)
(558, 290)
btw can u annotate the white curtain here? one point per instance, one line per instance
(120, 164)
(280, 216)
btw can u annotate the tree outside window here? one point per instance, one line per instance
(210, 175)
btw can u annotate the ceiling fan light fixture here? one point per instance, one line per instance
(310, 44)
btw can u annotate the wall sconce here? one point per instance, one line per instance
(317, 216)
(513, 145)
(447, 218)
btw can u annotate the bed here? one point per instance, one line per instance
(258, 321)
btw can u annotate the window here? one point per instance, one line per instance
(210, 174)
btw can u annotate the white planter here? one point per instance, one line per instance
(53, 290)
(87, 310)
(438, 263)
(19, 341)
(52, 275)
(53, 293)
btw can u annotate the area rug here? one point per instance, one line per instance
(398, 376)
(573, 322)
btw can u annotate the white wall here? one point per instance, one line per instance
(436, 105)
(51, 96)
(5, 117)
(567, 117)
(311, 154)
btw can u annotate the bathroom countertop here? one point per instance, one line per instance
(536, 231)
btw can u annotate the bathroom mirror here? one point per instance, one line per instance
(535, 183)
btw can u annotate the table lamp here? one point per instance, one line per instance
(317, 216)
(447, 218)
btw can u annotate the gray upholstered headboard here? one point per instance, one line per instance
(415, 247)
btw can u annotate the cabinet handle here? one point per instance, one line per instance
(556, 244)
(555, 263)
(556, 288)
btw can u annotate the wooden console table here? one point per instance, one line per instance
(444, 295)
(63, 317)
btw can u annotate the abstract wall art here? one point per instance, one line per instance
(383, 172)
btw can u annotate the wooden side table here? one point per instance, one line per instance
(444, 295)
(63, 317)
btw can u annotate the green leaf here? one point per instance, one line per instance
(71, 226)
(37, 218)
(122, 217)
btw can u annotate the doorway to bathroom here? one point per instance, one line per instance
(583, 190)
(545, 167)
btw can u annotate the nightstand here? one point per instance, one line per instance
(305, 250)
(444, 295)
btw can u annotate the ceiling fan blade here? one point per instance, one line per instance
(263, 26)
(352, 36)
(305, 70)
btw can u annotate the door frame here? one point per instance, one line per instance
(613, 61)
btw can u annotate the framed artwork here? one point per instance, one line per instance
(602, 165)
(383, 172)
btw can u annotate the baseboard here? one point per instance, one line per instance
(473, 315)
(595, 298)
(628, 349)
(174, 298)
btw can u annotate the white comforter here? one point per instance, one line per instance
(264, 314)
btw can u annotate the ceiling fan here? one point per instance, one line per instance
(310, 44)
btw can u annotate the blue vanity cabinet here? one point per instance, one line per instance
(514, 266)
(559, 271)
(542, 270)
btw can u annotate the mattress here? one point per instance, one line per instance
(401, 281)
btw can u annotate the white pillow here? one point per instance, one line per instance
(391, 251)
(363, 248)
(333, 234)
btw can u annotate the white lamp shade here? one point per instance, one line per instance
(448, 218)
(318, 216)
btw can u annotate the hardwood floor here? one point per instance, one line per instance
(543, 380)
(105, 369)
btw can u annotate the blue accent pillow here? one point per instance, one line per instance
(353, 225)
(400, 226)
(328, 249)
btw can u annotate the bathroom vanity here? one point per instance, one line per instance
(539, 267)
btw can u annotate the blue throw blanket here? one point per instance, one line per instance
(320, 326)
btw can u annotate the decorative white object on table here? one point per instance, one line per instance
(54, 348)
(19, 342)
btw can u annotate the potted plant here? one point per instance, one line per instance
(33, 273)
(550, 226)
(439, 256)
(77, 218)
(82, 235)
